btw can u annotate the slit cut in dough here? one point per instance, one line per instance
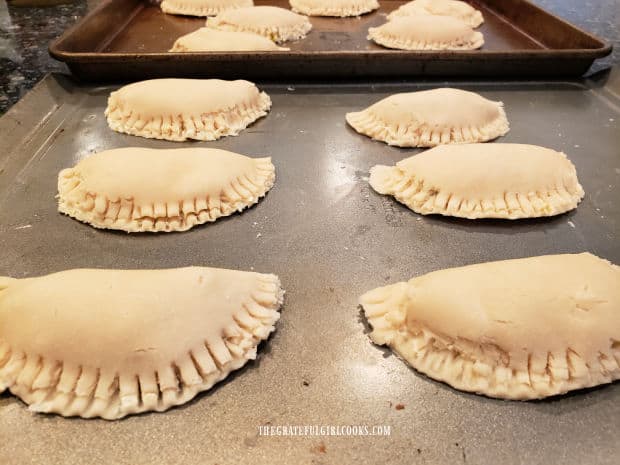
(337, 8)
(515, 329)
(151, 190)
(509, 181)
(431, 117)
(426, 32)
(453, 8)
(111, 343)
(277, 24)
(213, 40)
(201, 7)
(182, 109)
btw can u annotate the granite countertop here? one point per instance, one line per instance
(26, 33)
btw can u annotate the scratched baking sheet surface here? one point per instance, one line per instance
(329, 238)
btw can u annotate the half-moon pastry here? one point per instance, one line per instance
(110, 343)
(277, 24)
(515, 329)
(149, 190)
(182, 109)
(338, 8)
(206, 39)
(201, 7)
(454, 8)
(426, 32)
(473, 181)
(431, 117)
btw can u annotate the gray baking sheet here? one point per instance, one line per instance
(330, 238)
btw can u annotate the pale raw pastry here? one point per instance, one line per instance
(202, 7)
(213, 40)
(181, 109)
(110, 343)
(431, 117)
(149, 190)
(483, 181)
(454, 8)
(426, 32)
(515, 329)
(338, 8)
(277, 24)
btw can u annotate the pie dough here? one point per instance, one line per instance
(426, 32)
(110, 343)
(454, 8)
(516, 329)
(431, 117)
(339, 8)
(150, 190)
(277, 24)
(202, 7)
(181, 109)
(213, 40)
(483, 181)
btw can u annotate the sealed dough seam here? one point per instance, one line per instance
(484, 368)
(207, 126)
(49, 386)
(336, 11)
(426, 199)
(193, 10)
(395, 41)
(423, 135)
(275, 33)
(103, 212)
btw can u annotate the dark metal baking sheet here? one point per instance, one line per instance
(129, 39)
(330, 238)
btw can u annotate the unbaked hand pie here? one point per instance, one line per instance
(426, 32)
(431, 117)
(201, 7)
(182, 109)
(339, 8)
(473, 181)
(516, 329)
(454, 8)
(149, 190)
(111, 343)
(213, 40)
(277, 24)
